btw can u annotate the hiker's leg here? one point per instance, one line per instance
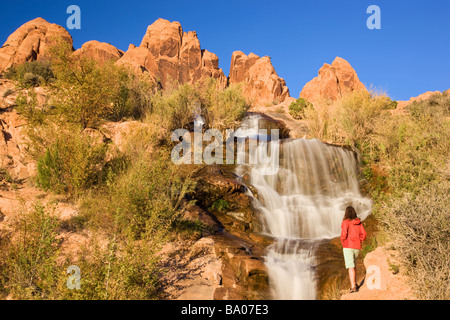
(352, 275)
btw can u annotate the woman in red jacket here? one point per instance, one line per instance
(352, 234)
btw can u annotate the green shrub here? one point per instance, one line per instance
(298, 107)
(27, 105)
(350, 121)
(175, 108)
(225, 108)
(86, 92)
(149, 194)
(31, 74)
(71, 164)
(220, 205)
(437, 106)
(120, 269)
(28, 267)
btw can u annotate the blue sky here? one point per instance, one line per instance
(408, 56)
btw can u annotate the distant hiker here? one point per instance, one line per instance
(352, 234)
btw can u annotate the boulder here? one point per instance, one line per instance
(99, 51)
(30, 42)
(261, 84)
(333, 82)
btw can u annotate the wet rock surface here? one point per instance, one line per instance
(222, 203)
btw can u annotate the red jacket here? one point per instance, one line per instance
(352, 234)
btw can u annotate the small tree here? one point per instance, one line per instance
(86, 92)
(298, 107)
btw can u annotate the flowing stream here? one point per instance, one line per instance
(301, 199)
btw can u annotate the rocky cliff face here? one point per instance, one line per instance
(99, 51)
(166, 52)
(170, 54)
(260, 81)
(31, 42)
(332, 83)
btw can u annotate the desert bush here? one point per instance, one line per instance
(225, 108)
(117, 269)
(149, 194)
(413, 147)
(31, 74)
(437, 106)
(28, 256)
(137, 211)
(318, 120)
(173, 109)
(176, 108)
(420, 226)
(298, 107)
(27, 105)
(86, 92)
(351, 120)
(113, 265)
(71, 164)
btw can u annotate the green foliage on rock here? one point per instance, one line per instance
(298, 107)
(31, 74)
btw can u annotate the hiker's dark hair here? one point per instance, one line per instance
(350, 213)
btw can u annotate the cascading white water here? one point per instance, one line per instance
(302, 201)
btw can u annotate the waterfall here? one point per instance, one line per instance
(301, 203)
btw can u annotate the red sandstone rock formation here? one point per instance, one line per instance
(261, 83)
(170, 54)
(333, 82)
(31, 42)
(99, 51)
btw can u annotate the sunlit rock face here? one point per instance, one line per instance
(169, 54)
(333, 82)
(30, 42)
(260, 82)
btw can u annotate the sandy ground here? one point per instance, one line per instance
(385, 279)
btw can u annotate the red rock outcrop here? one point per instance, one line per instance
(424, 96)
(210, 68)
(99, 51)
(261, 84)
(170, 54)
(332, 83)
(31, 42)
